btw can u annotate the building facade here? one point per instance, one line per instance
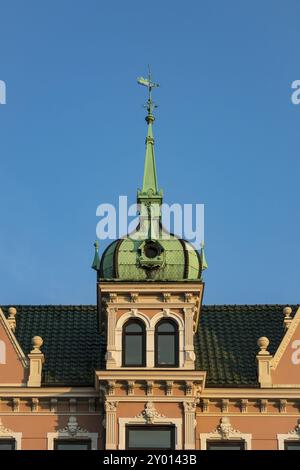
(149, 366)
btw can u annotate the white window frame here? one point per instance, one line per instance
(9, 434)
(225, 433)
(68, 434)
(150, 324)
(123, 422)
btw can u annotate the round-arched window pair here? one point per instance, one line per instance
(166, 344)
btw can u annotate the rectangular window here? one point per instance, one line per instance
(225, 445)
(72, 444)
(150, 437)
(7, 444)
(292, 445)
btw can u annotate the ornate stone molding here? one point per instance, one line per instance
(150, 414)
(74, 431)
(282, 406)
(53, 405)
(169, 387)
(189, 406)
(149, 387)
(16, 404)
(134, 297)
(34, 404)
(189, 388)
(111, 406)
(224, 405)
(293, 435)
(130, 387)
(244, 405)
(225, 431)
(72, 428)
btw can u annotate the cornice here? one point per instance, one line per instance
(52, 392)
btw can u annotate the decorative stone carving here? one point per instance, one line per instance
(287, 311)
(130, 387)
(16, 404)
(111, 384)
(166, 312)
(12, 312)
(263, 405)
(225, 430)
(224, 405)
(169, 387)
(134, 297)
(189, 406)
(111, 406)
(3, 430)
(34, 404)
(296, 431)
(53, 405)
(198, 390)
(113, 298)
(188, 297)
(263, 344)
(36, 361)
(150, 414)
(244, 405)
(133, 312)
(37, 343)
(166, 296)
(282, 406)
(205, 405)
(189, 388)
(149, 387)
(72, 428)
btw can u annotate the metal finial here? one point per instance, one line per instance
(147, 82)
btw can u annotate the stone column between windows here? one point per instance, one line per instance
(111, 425)
(111, 337)
(150, 359)
(189, 424)
(189, 338)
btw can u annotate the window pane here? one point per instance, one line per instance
(292, 445)
(72, 445)
(166, 350)
(133, 328)
(151, 438)
(133, 350)
(166, 327)
(225, 445)
(7, 444)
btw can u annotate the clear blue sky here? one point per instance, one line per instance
(72, 136)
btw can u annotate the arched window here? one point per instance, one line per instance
(134, 344)
(166, 344)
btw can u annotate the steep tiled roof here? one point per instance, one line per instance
(72, 345)
(225, 342)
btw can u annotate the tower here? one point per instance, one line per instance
(150, 292)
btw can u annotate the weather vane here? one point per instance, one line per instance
(150, 85)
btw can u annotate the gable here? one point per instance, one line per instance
(285, 365)
(13, 362)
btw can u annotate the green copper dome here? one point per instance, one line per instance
(126, 259)
(149, 253)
